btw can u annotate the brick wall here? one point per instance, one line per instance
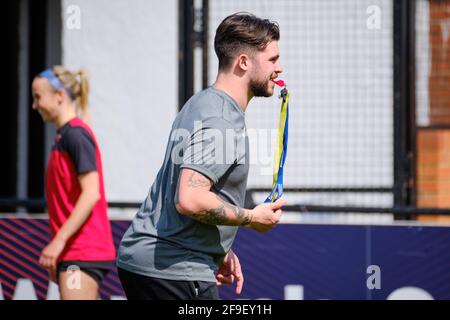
(439, 80)
(433, 146)
(433, 168)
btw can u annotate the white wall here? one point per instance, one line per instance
(423, 63)
(129, 49)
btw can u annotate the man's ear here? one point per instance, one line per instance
(243, 62)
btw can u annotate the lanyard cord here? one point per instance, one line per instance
(281, 149)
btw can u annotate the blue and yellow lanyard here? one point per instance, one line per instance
(281, 148)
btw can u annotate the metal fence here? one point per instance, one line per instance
(362, 76)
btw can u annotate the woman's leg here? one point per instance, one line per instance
(77, 285)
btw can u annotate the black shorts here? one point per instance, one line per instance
(138, 287)
(97, 270)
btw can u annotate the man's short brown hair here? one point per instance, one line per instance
(243, 31)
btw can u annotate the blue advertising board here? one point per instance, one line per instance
(293, 261)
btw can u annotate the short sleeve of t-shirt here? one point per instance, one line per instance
(81, 148)
(211, 148)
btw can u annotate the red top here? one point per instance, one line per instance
(75, 151)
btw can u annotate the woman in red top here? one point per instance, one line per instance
(81, 251)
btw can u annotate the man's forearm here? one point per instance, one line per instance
(196, 200)
(216, 211)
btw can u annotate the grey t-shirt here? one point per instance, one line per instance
(208, 136)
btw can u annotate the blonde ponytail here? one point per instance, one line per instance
(77, 83)
(82, 98)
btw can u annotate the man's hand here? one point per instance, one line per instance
(230, 271)
(266, 216)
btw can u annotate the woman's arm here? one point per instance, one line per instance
(89, 196)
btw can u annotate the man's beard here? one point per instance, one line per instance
(260, 88)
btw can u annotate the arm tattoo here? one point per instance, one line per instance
(217, 216)
(213, 216)
(195, 183)
(239, 213)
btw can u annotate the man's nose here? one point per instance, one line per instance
(279, 69)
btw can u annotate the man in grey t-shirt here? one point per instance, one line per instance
(179, 244)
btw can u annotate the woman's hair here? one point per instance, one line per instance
(243, 31)
(77, 84)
